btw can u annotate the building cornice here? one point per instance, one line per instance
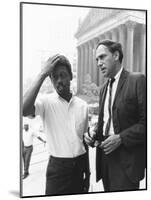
(108, 23)
(95, 17)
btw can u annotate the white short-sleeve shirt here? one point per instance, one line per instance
(28, 137)
(64, 124)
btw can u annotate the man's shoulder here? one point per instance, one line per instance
(80, 101)
(47, 97)
(103, 86)
(138, 76)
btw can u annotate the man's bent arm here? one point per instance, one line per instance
(31, 94)
(41, 139)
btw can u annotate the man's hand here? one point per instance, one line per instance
(49, 65)
(111, 143)
(90, 138)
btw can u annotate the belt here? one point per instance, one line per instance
(68, 160)
(28, 146)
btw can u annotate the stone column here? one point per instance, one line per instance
(108, 35)
(130, 44)
(90, 58)
(79, 70)
(122, 33)
(100, 76)
(82, 65)
(114, 35)
(86, 59)
(143, 50)
(101, 37)
(95, 70)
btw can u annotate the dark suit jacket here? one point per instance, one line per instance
(129, 120)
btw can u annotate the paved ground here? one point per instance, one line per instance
(34, 184)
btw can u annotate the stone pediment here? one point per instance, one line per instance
(95, 16)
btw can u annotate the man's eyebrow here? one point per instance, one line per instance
(101, 55)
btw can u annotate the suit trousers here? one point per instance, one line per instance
(65, 175)
(114, 176)
(27, 151)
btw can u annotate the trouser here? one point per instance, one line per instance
(114, 176)
(27, 151)
(65, 175)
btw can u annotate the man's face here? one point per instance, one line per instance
(26, 127)
(105, 61)
(61, 80)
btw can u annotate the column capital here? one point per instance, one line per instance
(101, 37)
(82, 46)
(94, 42)
(114, 34)
(90, 43)
(130, 25)
(121, 26)
(114, 30)
(79, 48)
(85, 44)
(108, 35)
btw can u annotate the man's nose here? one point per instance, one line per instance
(99, 63)
(59, 80)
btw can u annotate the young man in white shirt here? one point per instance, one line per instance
(65, 119)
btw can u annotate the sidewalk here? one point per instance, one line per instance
(34, 184)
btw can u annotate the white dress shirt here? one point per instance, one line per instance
(106, 111)
(28, 137)
(64, 124)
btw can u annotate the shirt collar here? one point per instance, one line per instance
(63, 100)
(117, 76)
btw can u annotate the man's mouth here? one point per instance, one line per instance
(60, 87)
(103, 70)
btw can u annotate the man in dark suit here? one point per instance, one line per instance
(120, 135)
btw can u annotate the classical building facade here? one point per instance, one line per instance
(125, 26)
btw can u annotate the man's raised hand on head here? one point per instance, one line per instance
(49, 65)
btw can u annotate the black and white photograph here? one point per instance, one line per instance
(75, 99)
(83, 99)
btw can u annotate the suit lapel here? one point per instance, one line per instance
(103, 97)
(121, 82)
(101, 110)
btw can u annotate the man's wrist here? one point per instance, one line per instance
(119, 138)
(42, 76)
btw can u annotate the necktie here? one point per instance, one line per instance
(109, 107)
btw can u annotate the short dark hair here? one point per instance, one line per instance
(65, 62)
(112, 47)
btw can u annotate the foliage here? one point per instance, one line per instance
(89, 88)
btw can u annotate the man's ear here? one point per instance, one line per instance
(116, 55)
